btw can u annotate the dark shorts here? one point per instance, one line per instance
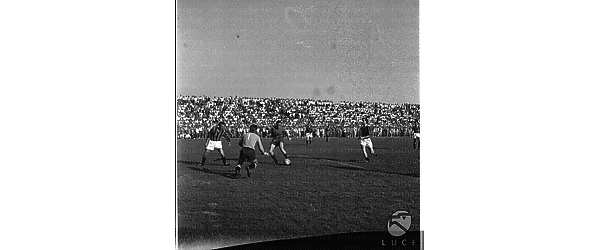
(276, 142)
(247, 155)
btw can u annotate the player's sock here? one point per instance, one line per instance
(203, 160)
(238, 168)
(285, 155)
(367, 159)
(274, 159)
(224, 161)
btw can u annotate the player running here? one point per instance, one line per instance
(309, 133)
(365, 140)
(214, 141)
(278, 133)
(248, 153)
(416, 136)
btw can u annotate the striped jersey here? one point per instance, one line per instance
(364, 131)
(215, 134)
(278, 133)
(416, 128)
(309, 129)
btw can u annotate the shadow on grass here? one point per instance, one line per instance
(281, 164)
(331, 159)
(229, 159)
(398, 148)
(224, 173)
(198, 163)
(189, 162)
(355, 168)
(376, 171)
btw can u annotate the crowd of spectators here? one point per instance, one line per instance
(197, 114)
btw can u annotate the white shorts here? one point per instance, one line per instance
(366, 142)
(417, 135)
(309, 135)
(214, 144)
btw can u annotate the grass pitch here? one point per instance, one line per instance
(327, 189)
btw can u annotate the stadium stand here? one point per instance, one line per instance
(197, 114)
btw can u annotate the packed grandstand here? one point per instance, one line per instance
(197, 114)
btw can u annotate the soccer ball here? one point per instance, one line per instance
(287, 161)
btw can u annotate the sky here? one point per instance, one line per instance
(334, 50)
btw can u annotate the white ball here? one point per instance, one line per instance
(287, 161)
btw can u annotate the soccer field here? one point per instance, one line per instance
(327, 189)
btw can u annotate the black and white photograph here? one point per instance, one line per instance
(296, 119)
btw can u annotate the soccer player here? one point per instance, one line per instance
(214, 141)
(278, 134)
(248, 153)
(416, 136)
(309, 133)
(365, 140)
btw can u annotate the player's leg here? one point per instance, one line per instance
(241, 159)
(364, 150)
(251, 156)
(272, 152)
(363, 145)
(209, 147)
(220, 150)
(370, 145)
(417, 143)
(414, 142)
(252, 165)
(282, 150)
(206, 151)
